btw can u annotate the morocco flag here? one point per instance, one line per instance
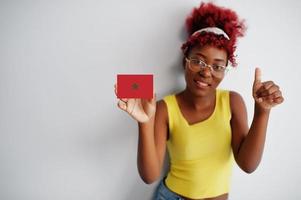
(135, 86)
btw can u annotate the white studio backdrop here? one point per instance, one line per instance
(61, 134)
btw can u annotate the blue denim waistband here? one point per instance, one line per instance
(163, 193)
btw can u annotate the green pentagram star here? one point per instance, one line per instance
(135, 86)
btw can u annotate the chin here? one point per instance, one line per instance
(199, 92)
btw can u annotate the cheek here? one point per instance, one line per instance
(188, 76)
(216, 81)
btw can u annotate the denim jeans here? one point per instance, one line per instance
(163, 193)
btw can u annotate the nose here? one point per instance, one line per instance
(206, 72)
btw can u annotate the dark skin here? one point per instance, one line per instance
(196, 105)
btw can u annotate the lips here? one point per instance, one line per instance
(202, 84)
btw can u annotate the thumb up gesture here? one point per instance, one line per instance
(266, 94)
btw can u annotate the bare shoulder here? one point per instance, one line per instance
(161, 110)
(161, 120)
(161, 104)
(236, 102)
(235, 96)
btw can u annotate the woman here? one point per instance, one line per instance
(204, 128)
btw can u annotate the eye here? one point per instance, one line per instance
(194, 61)
(197, 62)
(218, 67)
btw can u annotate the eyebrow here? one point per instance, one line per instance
(215, 59)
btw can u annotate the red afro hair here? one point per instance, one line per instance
(210, 15)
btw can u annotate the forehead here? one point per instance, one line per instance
(209, 52)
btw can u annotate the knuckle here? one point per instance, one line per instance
(266, 86)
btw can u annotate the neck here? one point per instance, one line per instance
(198, 102)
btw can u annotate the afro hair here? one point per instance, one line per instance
(211, 15)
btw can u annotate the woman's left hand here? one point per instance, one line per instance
(266, 94)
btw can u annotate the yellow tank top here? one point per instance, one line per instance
(201, 156)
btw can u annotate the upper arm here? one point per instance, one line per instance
(239, 122)
(161, 130)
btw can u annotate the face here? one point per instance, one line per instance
(202, 83)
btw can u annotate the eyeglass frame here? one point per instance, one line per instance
(225, 67)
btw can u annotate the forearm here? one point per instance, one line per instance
(251, 150)
(147, 159)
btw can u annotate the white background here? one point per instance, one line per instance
(61, 134)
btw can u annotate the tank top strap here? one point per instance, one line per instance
(223, 106)
(172, 110)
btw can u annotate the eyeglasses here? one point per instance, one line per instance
(197, 65)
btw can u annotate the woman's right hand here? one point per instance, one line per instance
(142, 110)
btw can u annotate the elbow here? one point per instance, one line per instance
(148, 180)
(248, 167)
(149, 174)
(249, 170)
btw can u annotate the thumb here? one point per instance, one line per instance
(257, 78)
(153, 100)
(257, 84)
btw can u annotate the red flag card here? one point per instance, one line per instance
(135, 86)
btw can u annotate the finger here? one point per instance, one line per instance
(268, 100)
(279, 100)
(115, 89)
(265, 86)
(259, 99)
(125, 100)
(257, 78)
(276, 94)
(275, 101)
(273, 97)
(271, 90)
(152, 100)
(122, 105)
